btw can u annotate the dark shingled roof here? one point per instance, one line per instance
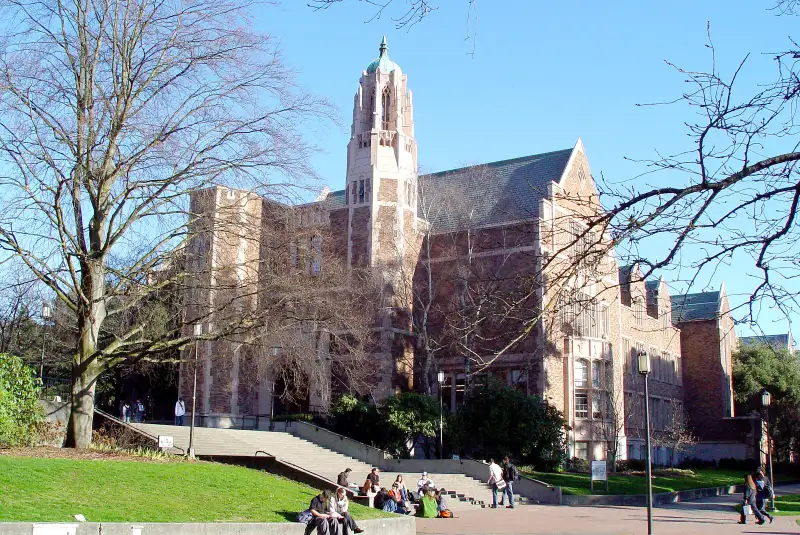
(775, 341)
(695, 307)
(334, 200)
(491, 193)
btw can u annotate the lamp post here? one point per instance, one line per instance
(46, 313)
(766, 401)
(440, 377)
(198, 330)
(644, 369)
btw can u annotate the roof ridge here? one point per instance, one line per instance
(499, 162)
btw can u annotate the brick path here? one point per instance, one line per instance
(702, 517)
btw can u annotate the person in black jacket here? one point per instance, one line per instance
(749, 498)
(341, 480)
(510, 474)
(763, 492)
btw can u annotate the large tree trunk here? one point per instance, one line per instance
(87, 365)
(79, 428)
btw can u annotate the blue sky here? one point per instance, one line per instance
(542, 75)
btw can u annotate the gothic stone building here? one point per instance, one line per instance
(502, 221)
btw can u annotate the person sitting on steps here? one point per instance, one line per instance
(339, 510)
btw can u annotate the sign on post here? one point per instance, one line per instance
(165, 442)
(599, 473)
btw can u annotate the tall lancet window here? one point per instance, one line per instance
(386, 108)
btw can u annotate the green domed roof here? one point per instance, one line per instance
(383, 62)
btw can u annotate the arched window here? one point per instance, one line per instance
(386, 108)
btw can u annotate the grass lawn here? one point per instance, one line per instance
(623, 484)
(788, 505)
(41, 489)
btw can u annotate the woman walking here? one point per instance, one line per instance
(749, 501)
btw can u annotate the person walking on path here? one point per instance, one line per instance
(763, 492)
(341, 479)
(180, 410)
(125, 412)
(138, 411)
(749, 501)
(339, 509)
(496, 481)
(510, 474)
(321, 518)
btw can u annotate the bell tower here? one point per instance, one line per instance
(381, 166)
(382, 207)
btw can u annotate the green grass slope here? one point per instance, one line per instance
(41, 489)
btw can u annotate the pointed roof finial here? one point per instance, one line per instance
(383, 63)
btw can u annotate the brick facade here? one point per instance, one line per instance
(504, 228)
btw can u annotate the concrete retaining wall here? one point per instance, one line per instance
(56, 411)
(640, 500)
(384, 526)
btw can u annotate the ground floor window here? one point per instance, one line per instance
(582, 450)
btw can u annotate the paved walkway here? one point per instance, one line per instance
(701, 517)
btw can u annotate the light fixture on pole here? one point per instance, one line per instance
(46, 313)
(644, 369)
(275, 351)
(198, 330)
(766, 401)
(440, 377)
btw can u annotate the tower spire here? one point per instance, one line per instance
(384, 47)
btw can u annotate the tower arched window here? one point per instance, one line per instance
(386, 108)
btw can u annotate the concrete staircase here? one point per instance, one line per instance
(209, 442)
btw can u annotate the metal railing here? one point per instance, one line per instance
(129, 427)
(56, 386)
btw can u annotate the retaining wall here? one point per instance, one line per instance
(384, 526)
(640, 500)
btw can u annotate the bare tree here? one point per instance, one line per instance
(112, 113)
(733, 190)
(676, 435)
(408, 14)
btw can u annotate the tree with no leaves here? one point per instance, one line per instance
(110, 115)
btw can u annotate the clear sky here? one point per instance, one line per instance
(542, 75)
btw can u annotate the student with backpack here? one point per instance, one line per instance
(510, 475)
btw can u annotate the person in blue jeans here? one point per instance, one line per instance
(510, 474)
(495, 481)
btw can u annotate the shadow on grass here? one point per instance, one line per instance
(289, 516)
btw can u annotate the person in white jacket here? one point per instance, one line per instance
(180, 410)
(495, 480)
(339, 510)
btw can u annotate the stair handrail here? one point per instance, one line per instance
(386, 454)
(298, 467)
(126, 425)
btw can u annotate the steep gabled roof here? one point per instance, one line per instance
(496, 192)
(695, 306)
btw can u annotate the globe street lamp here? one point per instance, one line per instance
(440, 377)
(198, 330)
(644, 370)
(766, 401)
(46, 313)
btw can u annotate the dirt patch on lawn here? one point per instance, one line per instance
(49, 452)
